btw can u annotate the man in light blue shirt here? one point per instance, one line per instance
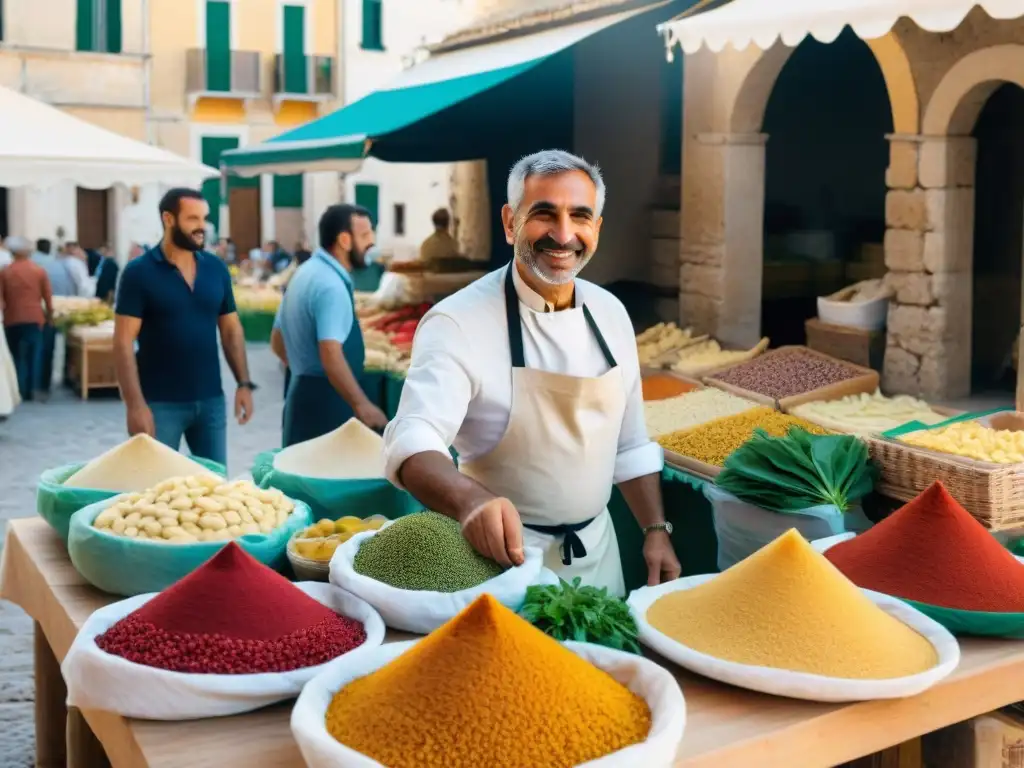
(317, 335)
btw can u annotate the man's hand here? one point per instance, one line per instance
(140, 421)
(243, 405)
(662, 563)
(371, 415)
(495, 531)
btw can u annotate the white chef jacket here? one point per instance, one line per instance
(459, 387)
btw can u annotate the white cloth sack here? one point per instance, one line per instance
(799, 685)
(744, 528)
(655, 684)
(422, 611)
(98, 680)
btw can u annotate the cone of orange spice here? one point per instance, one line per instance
(487, 689)
(232, 615)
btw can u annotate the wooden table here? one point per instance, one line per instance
(725, 726)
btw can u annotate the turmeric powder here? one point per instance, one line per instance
(660, 386)
(487, 688)
(787, 607)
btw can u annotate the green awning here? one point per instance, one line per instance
(341, 140)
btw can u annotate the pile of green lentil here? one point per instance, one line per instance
(424, 551)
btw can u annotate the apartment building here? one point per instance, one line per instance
(196, 77)
(226, 73)
(380, 39)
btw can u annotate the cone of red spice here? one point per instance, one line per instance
(232, 615)
(932, 551)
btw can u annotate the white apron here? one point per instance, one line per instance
(556, 460)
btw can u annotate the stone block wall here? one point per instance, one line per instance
(929, 213)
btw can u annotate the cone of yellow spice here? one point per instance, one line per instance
(788, 608)
(487, 688)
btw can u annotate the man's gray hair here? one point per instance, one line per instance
(549, 162)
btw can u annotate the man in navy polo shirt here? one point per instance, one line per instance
(172, 300)
(322, 341)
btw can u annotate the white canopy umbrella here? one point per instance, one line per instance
(41, 146)
(762, 22)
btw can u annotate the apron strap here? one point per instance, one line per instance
(605, 350)
(515, 327)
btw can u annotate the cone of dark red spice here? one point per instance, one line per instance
(932, 551)
(232, 616)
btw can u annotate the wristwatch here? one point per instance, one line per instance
(247, 385)
(666, 527)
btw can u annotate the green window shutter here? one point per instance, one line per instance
(288, 191)
(218, 45)
(83, 26)
(368, 196)
(373, 22)
(113, 25)
(211, 148)
(295, 77)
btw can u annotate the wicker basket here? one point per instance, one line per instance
(992, 493)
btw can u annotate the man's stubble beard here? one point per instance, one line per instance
(523, 251)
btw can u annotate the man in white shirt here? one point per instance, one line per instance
(532, 375)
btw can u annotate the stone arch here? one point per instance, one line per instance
(755, 90)
(956, 103)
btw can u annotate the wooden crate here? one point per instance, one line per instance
(90, 365)
(854, 345)
(866, 381)
(995, 740)
(906, 755)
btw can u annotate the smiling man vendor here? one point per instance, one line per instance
(533, 376)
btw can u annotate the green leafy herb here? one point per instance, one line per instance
(800, 470)
(581, 613)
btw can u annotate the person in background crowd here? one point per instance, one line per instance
(172, 301)
(69, 276)
(439, 245)
(93, 258)
(107, 272)
(5, 255)
(24, 291)
(318, 335)
(302, 253)
(43, 253)
(230, 252)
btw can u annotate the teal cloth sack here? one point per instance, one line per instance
(333, 499)
(56, 504)
(982, 623)
(124, 566)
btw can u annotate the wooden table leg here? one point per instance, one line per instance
(51, 712)
(84, 749)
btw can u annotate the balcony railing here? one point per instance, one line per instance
(237, 75)
(306, 77)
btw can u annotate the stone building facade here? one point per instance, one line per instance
(937, 86)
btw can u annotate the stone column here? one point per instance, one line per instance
(471, 208)
(929, 213)
(722, 231)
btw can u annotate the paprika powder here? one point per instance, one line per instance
(487, 689)
(232, 615)
(933, 551)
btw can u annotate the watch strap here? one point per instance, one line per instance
(666, 527)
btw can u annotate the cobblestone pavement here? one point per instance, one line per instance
(39, 436)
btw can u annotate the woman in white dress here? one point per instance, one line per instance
(9, 397)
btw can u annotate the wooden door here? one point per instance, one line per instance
(244, 218)
(93, 217)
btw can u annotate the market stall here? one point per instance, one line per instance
(771, 458)
(726, 725)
